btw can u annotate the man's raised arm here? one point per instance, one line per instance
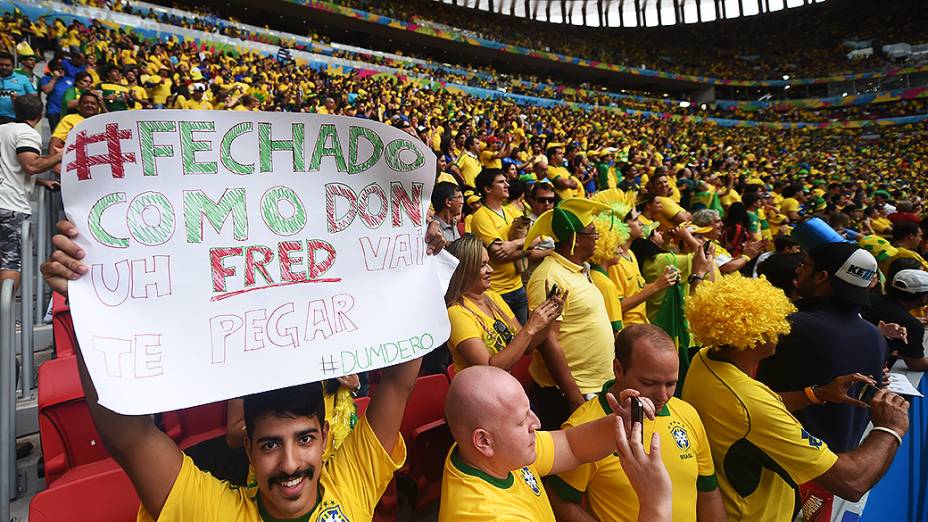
(149, 457)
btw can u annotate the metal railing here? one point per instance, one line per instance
(7, 399)
(26, 284)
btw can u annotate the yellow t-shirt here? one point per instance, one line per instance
(161, 92)
(468, 321)
(490, 227)
(65, 125)
(585, 335)
(669, 209)
(627, 277)
(761, 452)
(350, 485)
(731, 197)
(469, 167)
(882, 226)
(610, 293)
(470, 495)
(562, 172)
(193, 105)
(488, 161)
(684, 450)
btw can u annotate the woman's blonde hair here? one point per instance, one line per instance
(469, 251)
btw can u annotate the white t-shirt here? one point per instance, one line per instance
(15, 183)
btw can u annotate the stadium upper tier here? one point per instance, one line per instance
(858, 110)
(809, 42)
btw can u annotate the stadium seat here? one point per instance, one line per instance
(68, 436)
(361, 403)
(191, 426)
(427, 437)
(102, 497)
(520, 371)
(62, 327)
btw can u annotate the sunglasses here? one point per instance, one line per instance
(500, 328)
(545, 200)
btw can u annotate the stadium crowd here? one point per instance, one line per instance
(744, 286)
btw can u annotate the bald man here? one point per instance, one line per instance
(494, 470)
(645, 360)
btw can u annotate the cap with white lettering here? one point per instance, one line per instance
(852, 270)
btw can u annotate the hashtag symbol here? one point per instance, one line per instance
(329, 366)
(114, 156)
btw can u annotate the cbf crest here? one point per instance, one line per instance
(332, 514)
(679, 435)
(530, 480)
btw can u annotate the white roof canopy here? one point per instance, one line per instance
(630, 13)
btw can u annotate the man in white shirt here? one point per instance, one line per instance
(20, 160)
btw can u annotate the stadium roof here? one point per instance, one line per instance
(630, 13)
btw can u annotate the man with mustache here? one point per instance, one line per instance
(285, 439)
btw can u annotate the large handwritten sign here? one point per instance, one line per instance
(236, 252)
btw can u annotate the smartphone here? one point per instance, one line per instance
(706, 246)
(638, 415)
(553, 291)
(866, 393)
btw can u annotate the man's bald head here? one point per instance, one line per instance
(491, 421)
(478, 398)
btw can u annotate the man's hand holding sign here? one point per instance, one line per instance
(223, 259)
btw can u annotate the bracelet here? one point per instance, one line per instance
(746, 257)
(810, 394)
(694, 277)
(890, 431)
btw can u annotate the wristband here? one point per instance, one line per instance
(890, 431)
(746, 257)
(810, 394)
(694, 277)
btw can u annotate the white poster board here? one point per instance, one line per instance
(234, 252)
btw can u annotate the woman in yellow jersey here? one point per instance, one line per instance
(484, 331)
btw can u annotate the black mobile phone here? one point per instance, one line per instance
(638, 415)
(705, 247)
(553, 291)
(866, 393)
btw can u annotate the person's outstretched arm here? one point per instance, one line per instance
(150, 458)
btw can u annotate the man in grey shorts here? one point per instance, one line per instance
(20, 161)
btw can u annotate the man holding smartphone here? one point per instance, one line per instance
(761, 451)
(645, 360)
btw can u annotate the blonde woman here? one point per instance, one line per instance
(484, 331)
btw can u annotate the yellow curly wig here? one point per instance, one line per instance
(612, 234)
(739, 312)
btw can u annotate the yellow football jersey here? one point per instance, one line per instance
(350, 485)
(470, 495)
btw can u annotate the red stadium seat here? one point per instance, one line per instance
(520, 371)
(106, 497)
(62, 327)
(191, 426)
(361, 403)
(69, 438)
(427, 437)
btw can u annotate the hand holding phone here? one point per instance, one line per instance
(553, 291)
(638, 415)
